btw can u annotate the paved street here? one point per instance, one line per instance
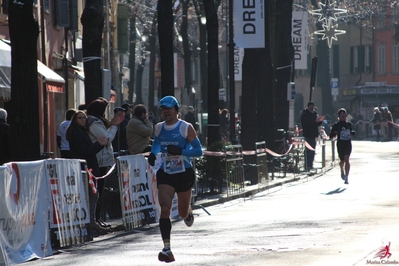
(314, 221)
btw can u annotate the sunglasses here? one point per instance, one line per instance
(81, 117)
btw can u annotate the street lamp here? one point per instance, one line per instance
(231, 46)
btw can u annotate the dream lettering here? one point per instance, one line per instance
(248, 16)
(297, 38)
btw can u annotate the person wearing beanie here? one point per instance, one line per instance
(62, 142)
(310, 127)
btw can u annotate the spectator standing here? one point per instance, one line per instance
(384, 123)
(224, 123)
(310, 123)
(190, 118)
(139, 130)
(62, 142)
(99, 127)
(151, 118)
(390, 124)
(343, 131)
(81, 147)
(359, 125)
(377, 122)
(120, 141)
(5, 138)
(177, 141)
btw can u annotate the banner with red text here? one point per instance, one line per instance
(24, 231)
(69, 214)
(136, 187)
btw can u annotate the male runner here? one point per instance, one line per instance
(178, 142)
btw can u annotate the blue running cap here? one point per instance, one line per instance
(169, 102)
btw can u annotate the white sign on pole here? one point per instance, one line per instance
(222, 94)
(249, 23)
(299, 36)
(334, 86)
(238, 57)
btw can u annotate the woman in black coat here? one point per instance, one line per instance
(82, 147)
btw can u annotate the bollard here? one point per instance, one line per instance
(323, 154)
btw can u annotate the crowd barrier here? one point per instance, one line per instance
(44, 204)
(231, 172)
(234, 170)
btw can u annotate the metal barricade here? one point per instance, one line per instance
(261, 164)
(194, 190)
(298, 153)
(234, 170)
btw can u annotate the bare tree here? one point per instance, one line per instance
(212, 24)
(93, 23)
(165, 33)
(24, 105)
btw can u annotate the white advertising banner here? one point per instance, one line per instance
(238, 58)
(69, 214)
(299, 36)
(249, 23)
(138, 206)
(24, 231)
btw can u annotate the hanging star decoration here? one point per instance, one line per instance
(329, 32)
(328, 11)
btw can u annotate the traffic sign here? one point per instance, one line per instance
(334, 86)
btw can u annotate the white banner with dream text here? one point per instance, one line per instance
(299, 36)
(249, 23)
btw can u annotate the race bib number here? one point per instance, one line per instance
(174, 164)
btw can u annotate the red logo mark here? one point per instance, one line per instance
(384, 252)
(15, 196)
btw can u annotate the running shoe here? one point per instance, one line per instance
(342, 176)
(346, 180)
(189, 220)
(166, 255)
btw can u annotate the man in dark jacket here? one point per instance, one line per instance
(120, 141)
(190, 118)
(4, 137)
(310, 126)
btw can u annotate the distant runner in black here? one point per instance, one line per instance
(343, 131)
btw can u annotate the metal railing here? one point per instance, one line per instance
(234, 170)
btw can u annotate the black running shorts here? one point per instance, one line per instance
(181, 181)
(344, 148)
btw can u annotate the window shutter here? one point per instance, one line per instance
(123, 40)
(46, 5)
(74, 19)
(351, 58)
(361, 59)
(62, 13)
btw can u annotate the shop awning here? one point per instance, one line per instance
(54, 82)
(377, 99)
(347, 98)
(5, 71)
